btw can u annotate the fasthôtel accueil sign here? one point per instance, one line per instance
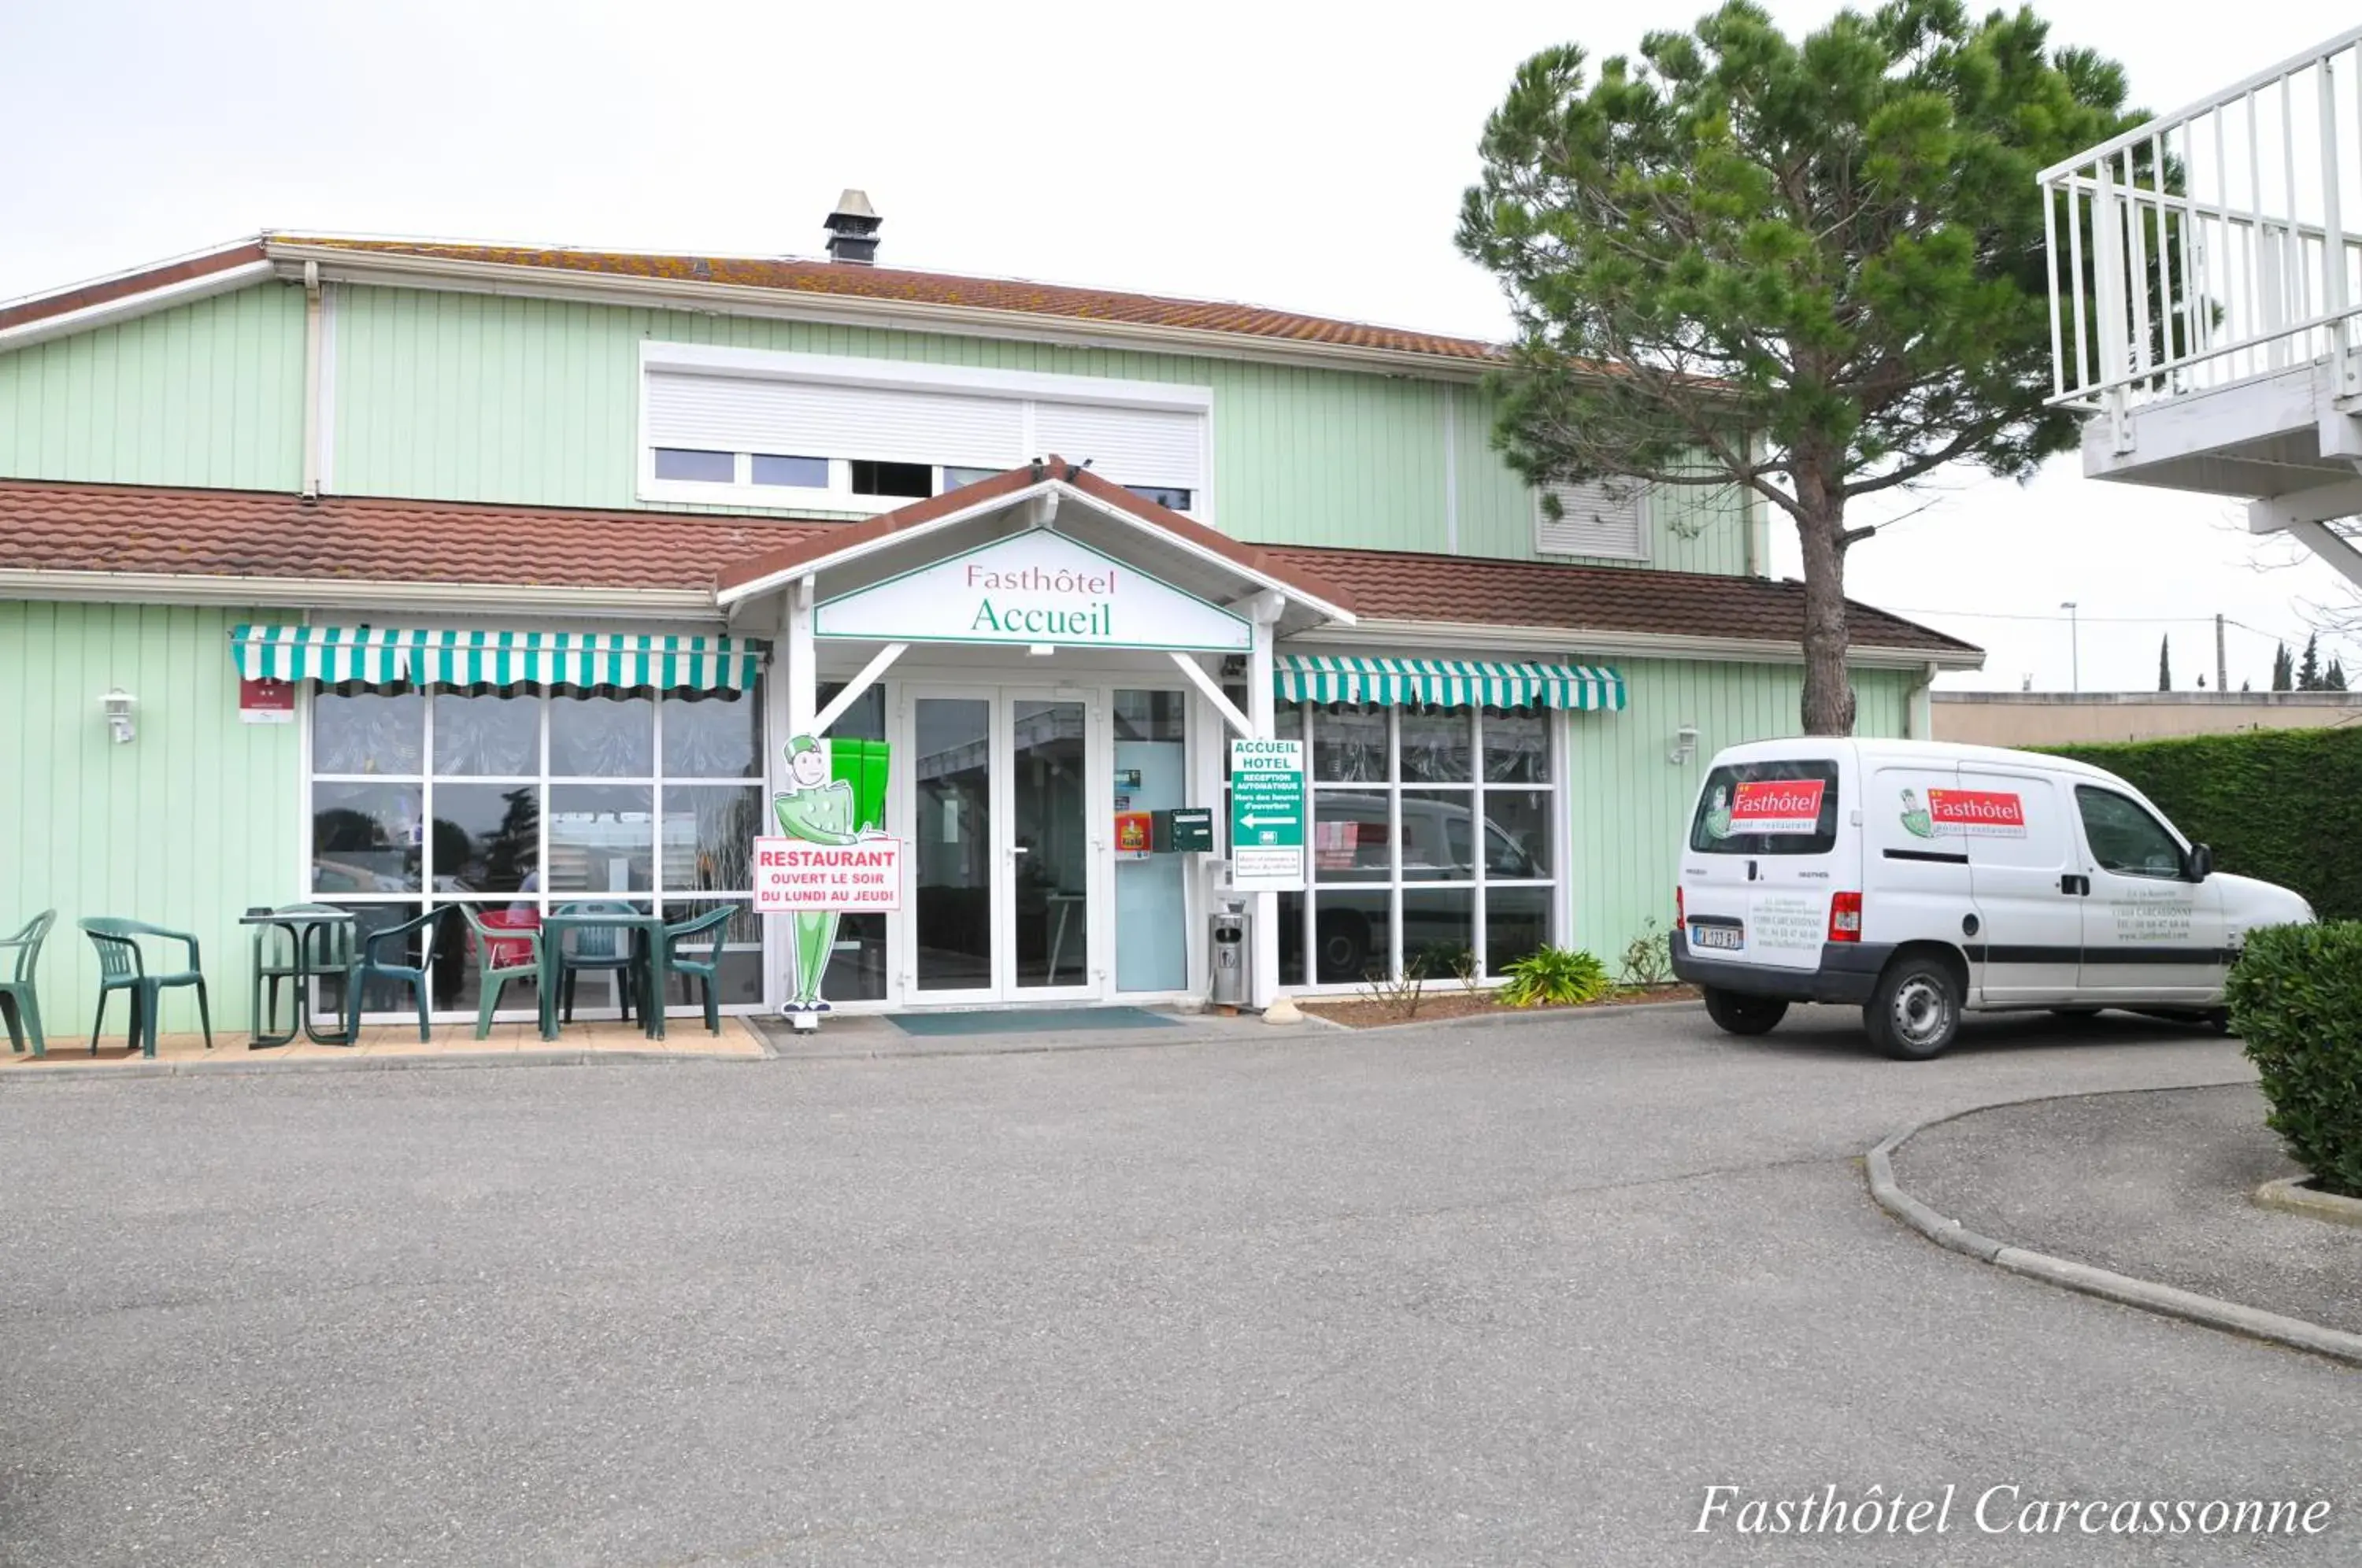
(1032, 587)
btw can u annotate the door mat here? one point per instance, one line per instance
(1028, 1020)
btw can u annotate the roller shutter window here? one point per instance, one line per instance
(1126, 445)
(739, 414)
(1603, 519)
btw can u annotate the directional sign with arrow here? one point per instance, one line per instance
(1267, 815)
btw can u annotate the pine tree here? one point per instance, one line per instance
(2334, 677)
(2244, 686)
(1815, 265)
(2165, 663)
(2308, 668)
(2284, 670)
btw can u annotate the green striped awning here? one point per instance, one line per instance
(1445, 682)
(394, 657)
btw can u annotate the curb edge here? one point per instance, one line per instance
(2208, 1311)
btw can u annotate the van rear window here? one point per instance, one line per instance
(1787, 807)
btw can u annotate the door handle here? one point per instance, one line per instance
(2076, 884)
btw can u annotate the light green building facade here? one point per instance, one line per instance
(314, 436)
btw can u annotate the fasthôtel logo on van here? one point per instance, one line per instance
(1965, 813)
(1772, 806)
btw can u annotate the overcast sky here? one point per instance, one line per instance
(1303, 157)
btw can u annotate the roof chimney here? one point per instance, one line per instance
(853, 230)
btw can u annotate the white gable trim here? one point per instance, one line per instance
(187, 291)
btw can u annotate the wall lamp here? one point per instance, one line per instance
(118, 704)
(1685, 741)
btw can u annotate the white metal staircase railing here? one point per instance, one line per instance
(2214, 244)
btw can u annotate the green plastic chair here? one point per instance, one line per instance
(601, 948)
(18, 1006)
(367, 964)
(123, 968)
(324, 950)
(706, 971)
(490, 941)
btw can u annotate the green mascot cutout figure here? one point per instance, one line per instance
(816, 808)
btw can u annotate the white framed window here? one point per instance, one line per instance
(1605, 519)
(1402, 798)
(754, 427)
(516, 802)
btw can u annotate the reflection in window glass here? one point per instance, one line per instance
(487, 837)
(709, 832)
(365, 838)
(1516, 921)
(602, 737)
(1351, 934)
(1353, 836)
(913, 480)
(866, 720)
(955, 479)
(1171, 497)
(1291, 939)
(367, 732)
(1435, 746)
(856, 966)
(1150, 715)
(799, 473)
(487, 733)
(714, 738)
(2125, 838)
(1439, 835)
(1517, 834)
(1438, 927)
(701, 468)
(1517, 746)
(740, 957)
(1350, 744)
(601, 838)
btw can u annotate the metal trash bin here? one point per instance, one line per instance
(1230, 955)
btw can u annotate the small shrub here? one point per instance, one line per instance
(1399, 997)
(2296, 999)
(1649, 961)
(1439, 959)
(1555, 976)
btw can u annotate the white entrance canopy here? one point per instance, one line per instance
(1044, 557)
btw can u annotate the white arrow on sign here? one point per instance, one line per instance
(1253, 820)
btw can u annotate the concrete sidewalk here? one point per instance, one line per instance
(2154, 1185)
(861, 1036)
(385, 1046)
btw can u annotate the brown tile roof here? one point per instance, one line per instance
(792, 275)
(42, 306)
(1254, 558)
(233, 533)
(1399, 585)
(225, 532)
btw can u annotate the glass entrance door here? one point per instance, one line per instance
(1049, 894)
(1005, 846)
(953, 846)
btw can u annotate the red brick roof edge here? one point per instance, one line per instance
(265, 535)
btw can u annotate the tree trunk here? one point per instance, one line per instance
(1828, 690)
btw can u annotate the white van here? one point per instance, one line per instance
(1919, 878)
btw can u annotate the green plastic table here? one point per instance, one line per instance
(299, 925)
(649, 931)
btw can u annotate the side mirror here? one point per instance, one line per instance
(2201, 863)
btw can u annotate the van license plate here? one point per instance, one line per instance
(1725, 936)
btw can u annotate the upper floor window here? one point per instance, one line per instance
(1605, 519)
(832, 433)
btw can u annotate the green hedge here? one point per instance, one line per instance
(2296, 999)
(2284, 805)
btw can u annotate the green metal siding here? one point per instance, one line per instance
(477, 397)
(1690, 530)
(209, 394)
(1630, 805)
(185, 826)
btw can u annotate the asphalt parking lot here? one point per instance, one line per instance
(1443, 1294)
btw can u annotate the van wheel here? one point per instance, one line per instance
(1915, 1012)
(1737, 1014)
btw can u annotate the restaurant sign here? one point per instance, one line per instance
(1037, 587)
